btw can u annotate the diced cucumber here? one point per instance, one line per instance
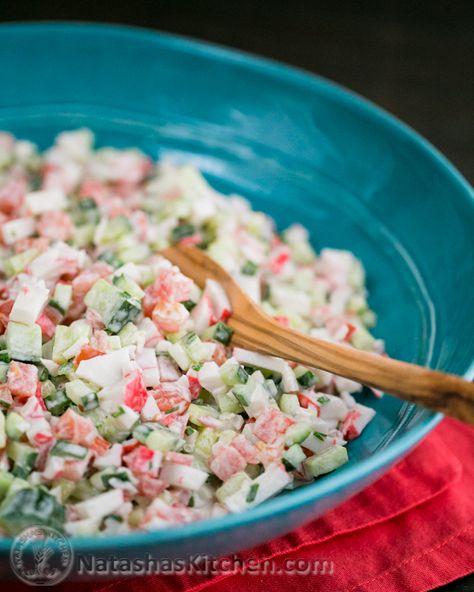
(362, 339)
(77, 390)
(232, 485)
(219, 332)
(16, 264)
(6, 480)
(125, 418)
(57, 402)
(305, 377)
(134, 254)
(3, 432)
(24, 457)
(141, 432)
(68, 341)
(293, 457)
(233, 373)
(115, 308)
(62, 297)
(205, 442)
(181, 231)
(69, 450)
(329, 460)
(296, 433)
(162, 440)
(15, 426)
(129, 335)
(249, 268)
(241, 394)
(30, 506)
(289, 404)
(3, 371)
(198, 411)
(23, 342)
(227, 403)
(125, 284)
(194, 347)
(112, 230)
(83, 235)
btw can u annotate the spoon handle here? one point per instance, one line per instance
(436, 390)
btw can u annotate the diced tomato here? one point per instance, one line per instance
(271, 425)
(226, 461)
(169, 316)
(135, 393)
(55, 226)
(87, 353)
(22, 379)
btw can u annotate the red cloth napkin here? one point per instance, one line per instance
(411, 531)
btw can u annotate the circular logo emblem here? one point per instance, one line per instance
(41, 556)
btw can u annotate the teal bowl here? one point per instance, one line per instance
(302, 149)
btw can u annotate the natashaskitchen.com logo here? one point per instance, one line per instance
(42, 556)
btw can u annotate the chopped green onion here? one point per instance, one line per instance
(320, 436)
(252, 494)
(120, 411)
(182, 231)
(307, 379)
(65, 448)
(57, 403)
(222, 333)
(90, 401)
(323, 400)
(188, 305)
(249, 268)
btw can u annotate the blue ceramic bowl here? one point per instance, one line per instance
(301, 149)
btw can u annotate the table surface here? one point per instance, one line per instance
(415, 59)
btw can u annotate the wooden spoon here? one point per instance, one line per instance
(255, 330)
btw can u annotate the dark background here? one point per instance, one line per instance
(414, 58)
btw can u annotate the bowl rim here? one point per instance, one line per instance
(298, 77)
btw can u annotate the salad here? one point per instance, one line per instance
(123, 404)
